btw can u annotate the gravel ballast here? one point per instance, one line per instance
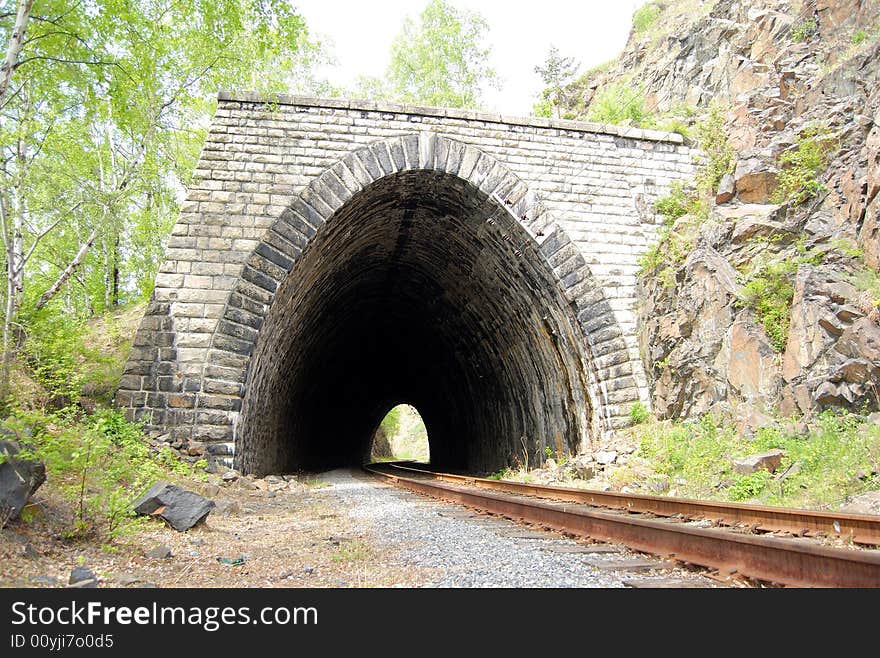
(468, 549)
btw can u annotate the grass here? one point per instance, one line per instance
(645, 17)
(351, 551)
(838, 458)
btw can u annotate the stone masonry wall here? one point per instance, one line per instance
(597, 182)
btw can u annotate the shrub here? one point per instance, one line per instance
(638, 413)
(617, 103)
(801, 166)
(803, 30)
(644, 17)
(859, 37)
(769, 292)
(713, 141)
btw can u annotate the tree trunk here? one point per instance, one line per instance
(46, 297)
(14, 47)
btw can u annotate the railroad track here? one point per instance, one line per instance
(742, 540)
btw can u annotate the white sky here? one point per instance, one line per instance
(359, 35)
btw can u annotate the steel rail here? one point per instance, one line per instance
(792, 562)
(859, 528)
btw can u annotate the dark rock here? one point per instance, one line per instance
(160, 552)
(30, 552)
(20, 477)
(51, 581)
(182, 509)
(769, 460)
(83, 578)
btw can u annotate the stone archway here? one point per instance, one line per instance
(417, 259)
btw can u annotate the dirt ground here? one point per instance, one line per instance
(278, 534)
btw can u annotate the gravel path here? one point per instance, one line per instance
(467, 549)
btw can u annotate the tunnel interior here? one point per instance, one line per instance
(419, 289)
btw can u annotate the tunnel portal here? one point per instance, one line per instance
(423, 289)
(336, 257)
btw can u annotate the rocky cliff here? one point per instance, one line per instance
(763, 295)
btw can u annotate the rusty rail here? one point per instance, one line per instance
(859, 528)
(791, 562)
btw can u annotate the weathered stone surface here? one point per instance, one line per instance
(726, 189)
(182, 509)
(605, 457)
(82, 577)
(283, 175)
(769, 461)
(160, 552)
(19, 479)
(755, 180)
(751, 363)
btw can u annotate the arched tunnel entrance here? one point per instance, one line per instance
(420, 289)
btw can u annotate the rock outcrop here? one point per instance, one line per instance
(784, 74)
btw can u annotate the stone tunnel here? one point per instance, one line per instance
(337, 258)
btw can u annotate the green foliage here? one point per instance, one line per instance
(675, 204)
(548, 452)
(102, 124)
(749, 486)
(645, 16)
(441, 59)
(868, 282)
(801, 166)
(391, 423)
(618, 103)
(818, 470)
(665, 256)
(803, 30)
(100, 464)
(557, 73)
(769, 292)
(859, 37)
(713, 141)
(543, 107)
(406, 433)
(638, 413)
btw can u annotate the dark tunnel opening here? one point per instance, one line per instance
(420, 288)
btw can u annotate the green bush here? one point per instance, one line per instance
(769, 292)
(803, 30)
(644, 17)
(638, 413)
(100, 464)
(618, 103)
(713, 141)
(801, 166)
(859, 37)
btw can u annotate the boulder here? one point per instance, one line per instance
(182, 509)
(726, 189)
(20, 477)
(769, 460)
(605, 457)
(754, 180)
(160, 552)
(751, 363)
(83, 578)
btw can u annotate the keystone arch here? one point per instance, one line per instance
(418, 269)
